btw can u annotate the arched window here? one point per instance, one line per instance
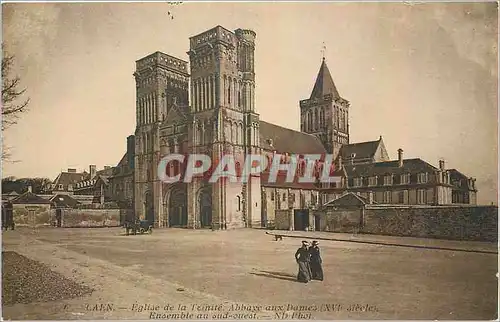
(229, 92)
(316, 119)
(239, 96)
(238, 199)
(309, 121)
(237, 168)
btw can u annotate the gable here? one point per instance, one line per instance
(347, 200)
(381, 154)
(362, 151)
(176, 115)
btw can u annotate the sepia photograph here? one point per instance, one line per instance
(249, 160)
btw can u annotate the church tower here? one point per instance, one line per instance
(326, 114)
(162, 81)
(224, 123)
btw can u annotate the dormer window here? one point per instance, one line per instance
(405, 178)
(387, 180)
(422, 177)
(358, 182)
(372, 181)
(353, 155)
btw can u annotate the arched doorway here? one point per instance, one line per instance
(205, 204)
(149, 207)
(177, 208)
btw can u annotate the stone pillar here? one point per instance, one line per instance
(206, 105)
(196, 88)
(291, 220)
(214, 92)
(191, 204)
(209, 92)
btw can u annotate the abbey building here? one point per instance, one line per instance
(207, 106)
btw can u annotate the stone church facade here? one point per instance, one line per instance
(208, 107)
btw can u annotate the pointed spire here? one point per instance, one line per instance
(324, 83)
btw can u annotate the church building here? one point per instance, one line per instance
(207, 106)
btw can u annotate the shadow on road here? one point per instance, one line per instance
(276, 275)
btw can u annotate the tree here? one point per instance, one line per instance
(38, 185)
(13, 103)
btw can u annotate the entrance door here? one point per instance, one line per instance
(205, 201)
(177, 213)
(58, 217)
(301, 219)
(149, 208)
(317, 223)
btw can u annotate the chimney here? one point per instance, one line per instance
(72, 170)
(441, 165)
(30, 189)
(92, 170)
(400, 158)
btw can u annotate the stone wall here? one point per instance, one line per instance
(90, 217)
(342, 220)
(449, 222)
(32, 215)
(282, 220)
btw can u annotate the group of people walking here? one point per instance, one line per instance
(310, 263)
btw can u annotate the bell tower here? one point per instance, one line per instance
(325, 113)
(224, 122)
(161, 81)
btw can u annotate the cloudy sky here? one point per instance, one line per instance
(424, 76)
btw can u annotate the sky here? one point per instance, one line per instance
(424, 76)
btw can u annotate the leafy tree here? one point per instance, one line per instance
(21, 185)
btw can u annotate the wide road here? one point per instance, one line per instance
(203, 272)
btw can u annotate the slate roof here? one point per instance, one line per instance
(287, 140)
(105, 179)
(64, 201)
(66, 178)
(324, 84)
(281, 182)
(29, 198)
(459, 180)
(412, 166)
(362, 150)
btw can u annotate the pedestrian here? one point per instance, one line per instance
(302, 257)
(316, 262)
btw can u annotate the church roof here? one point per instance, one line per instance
(280, 139)
(324, 84)
(361, 150)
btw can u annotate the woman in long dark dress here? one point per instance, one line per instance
(316, 261)
(302, 257)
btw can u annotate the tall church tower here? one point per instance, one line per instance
(224, 122)
(326, 114)
(162, 81)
